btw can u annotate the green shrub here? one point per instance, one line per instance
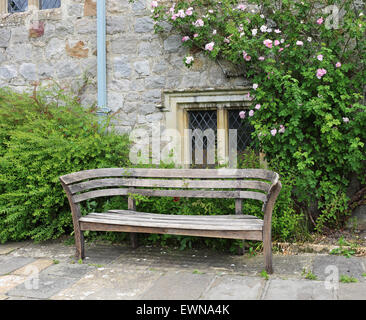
(44, 136)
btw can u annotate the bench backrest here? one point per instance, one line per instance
(193, 183)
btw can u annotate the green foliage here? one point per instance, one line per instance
(349, 251)
(44, 136)
(347, 279)
(309, 275)
(310, 92)
(264, 275)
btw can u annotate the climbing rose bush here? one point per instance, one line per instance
(309, 79)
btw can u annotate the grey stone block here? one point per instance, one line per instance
(117, 24)
(298, 290)
(67, 69)
(122, 67)
(144, 25)
(43, 288)
(351, 267)
(5, 35)
(172, 286)
(28, 71)
(142, 68)
(233, 287)
(172, 43)
(9, 263)
(68, 270)
(352, 291)
(7, 72)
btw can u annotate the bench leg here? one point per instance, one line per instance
(241, 250)
(267, 251)
(79, 243)
(134, 242)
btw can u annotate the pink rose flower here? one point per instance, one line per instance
(209, 46)
(189, 60)
(251, 113)
(277, 43)
(195, 35)
(261, 58)
(154, 4)
(274, 132)
(320, 73)
(320, 20)
(299, 43)
(257, 106)
(280, 49)
(255, 86)
(338, 64)
(320, 57)
(198, 23)
(268, 43)
(185, 38)
(282, 129)
(189, 11)
(242, 114)
(345, 119)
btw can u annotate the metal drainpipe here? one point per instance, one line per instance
(102, 110)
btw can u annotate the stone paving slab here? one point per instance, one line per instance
(9, 264)
(64, 269)
(8, 282)
(325, 265)
(110, 283)
(42, 287)
(352, 291)
(279, 289)
(10, 247)
(233, 287)
(176, 285)
(36, 266)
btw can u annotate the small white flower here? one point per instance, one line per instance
(254, 32)
(263, 28)
(309, 39)
(189, 60)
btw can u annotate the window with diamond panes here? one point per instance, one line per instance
(49, 4)
(17, 5)
(244, 130)
(202, 120)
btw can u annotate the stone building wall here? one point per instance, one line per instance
(60, 44)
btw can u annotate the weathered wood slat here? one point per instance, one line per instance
(164, 224)
(174, 216)
(189, 220)
(159, 183)
(100, 193)
(247, 234)
(171, 193)
(169, 173)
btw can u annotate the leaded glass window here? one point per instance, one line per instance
(49, 4)
(244, 130)
(17, 5)
(203, 125)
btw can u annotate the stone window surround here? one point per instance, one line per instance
(176, 105)
(32, 5)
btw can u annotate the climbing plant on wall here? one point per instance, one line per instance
(306, 60)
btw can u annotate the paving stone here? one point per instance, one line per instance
(2, 297)
(38, 265)
(353, 267)
(110, 283)
(10, 247)
(235, 287)
(8, 282)
(173, 286)
(75, 271)
(42, 287)
(352, 291)
(279, 289)
(9, 263)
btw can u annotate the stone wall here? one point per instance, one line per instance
(60, 44)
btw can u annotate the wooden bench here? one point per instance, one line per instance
(238, 184)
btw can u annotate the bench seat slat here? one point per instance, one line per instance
(160, 183)
(173, 216)
(147, 221)
(143, 216)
